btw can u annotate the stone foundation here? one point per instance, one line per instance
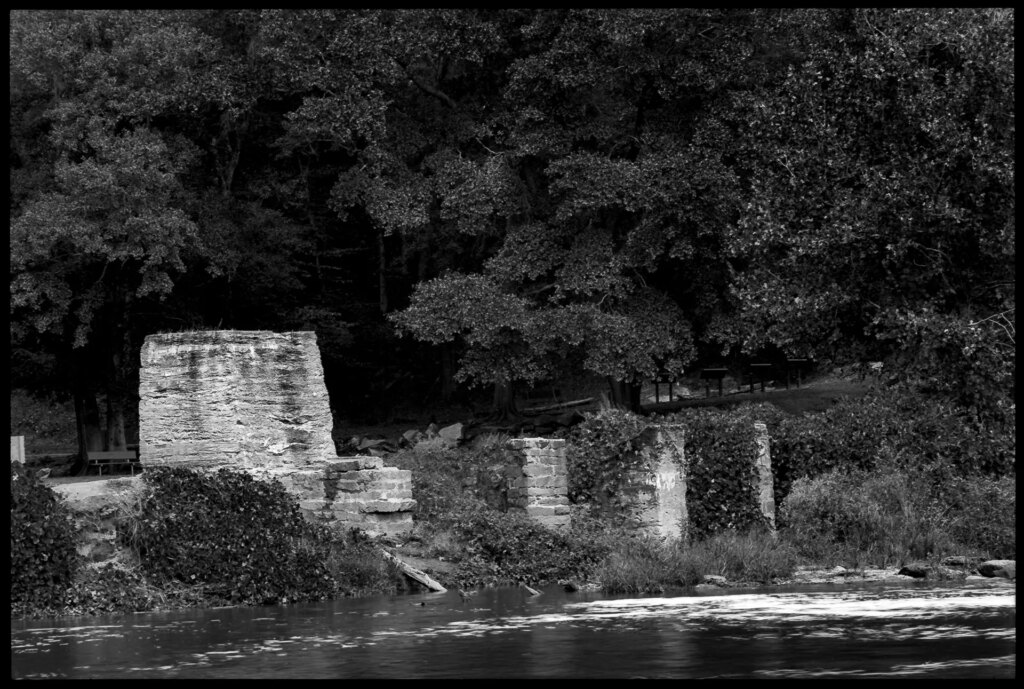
(353, 492)
(541, 487)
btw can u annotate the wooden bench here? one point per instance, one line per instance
(111, 458)
(707, 374)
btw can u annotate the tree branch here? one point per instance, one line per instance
(427, 88)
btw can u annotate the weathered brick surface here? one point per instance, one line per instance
(540, 486)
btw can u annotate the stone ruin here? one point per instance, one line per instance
(660, 496)
(256, 401)
(539, 483)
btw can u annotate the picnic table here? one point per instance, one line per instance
(709, 374)
(759, 373)
(797, 367)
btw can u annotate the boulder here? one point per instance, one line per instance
(998, 568)
(923, 570)
(431, 431)
(451, 433)
(918, 570)
(411, 437)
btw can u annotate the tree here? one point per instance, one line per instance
(878, 219)
(604, 205)
(109, 228)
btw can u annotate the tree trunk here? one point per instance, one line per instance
(87, 421)
(625, 395)
(503, 406)
(382, 267)
(115, 402)
(447, 372)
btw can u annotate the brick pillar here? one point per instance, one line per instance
(765, 484)
(542, 487)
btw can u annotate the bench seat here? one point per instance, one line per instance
(112, 458)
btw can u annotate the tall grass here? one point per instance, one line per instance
(646, 565)
(889, 516)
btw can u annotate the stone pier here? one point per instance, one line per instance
(541, 488)
(656, 495)
(661, 494)
(256, 401)
(765, 482)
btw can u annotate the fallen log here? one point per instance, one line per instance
(561, 405)
(413, 573)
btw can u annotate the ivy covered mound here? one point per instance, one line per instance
(188, 539)
(43, 539)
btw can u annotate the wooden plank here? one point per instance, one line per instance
(414, 573)
(18, 448)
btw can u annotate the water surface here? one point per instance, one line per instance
(900, 630)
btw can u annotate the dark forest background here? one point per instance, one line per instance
(504, 198)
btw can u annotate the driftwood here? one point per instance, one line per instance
(562, 405)
(414, 573)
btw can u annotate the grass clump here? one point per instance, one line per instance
(642, 564)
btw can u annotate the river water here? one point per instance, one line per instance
(850, 630)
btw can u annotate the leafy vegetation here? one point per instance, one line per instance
(43, 543)
(911, 431)
(604, 454)
(507, 196)
(526, 193)
(242, 539)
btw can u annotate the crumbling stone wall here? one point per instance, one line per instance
(354, 491)
(233, 398)
(541, 486)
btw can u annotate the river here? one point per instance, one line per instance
(850, 630)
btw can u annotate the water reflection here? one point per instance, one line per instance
(962, 631)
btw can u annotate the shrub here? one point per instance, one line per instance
(880, 517)
(242, 539)
(905, 429)
(983, 514)
(504, 548)
(44, 558)
(440, 473)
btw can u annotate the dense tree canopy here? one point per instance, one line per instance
(525, 193)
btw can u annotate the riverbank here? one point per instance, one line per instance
(93, 499)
